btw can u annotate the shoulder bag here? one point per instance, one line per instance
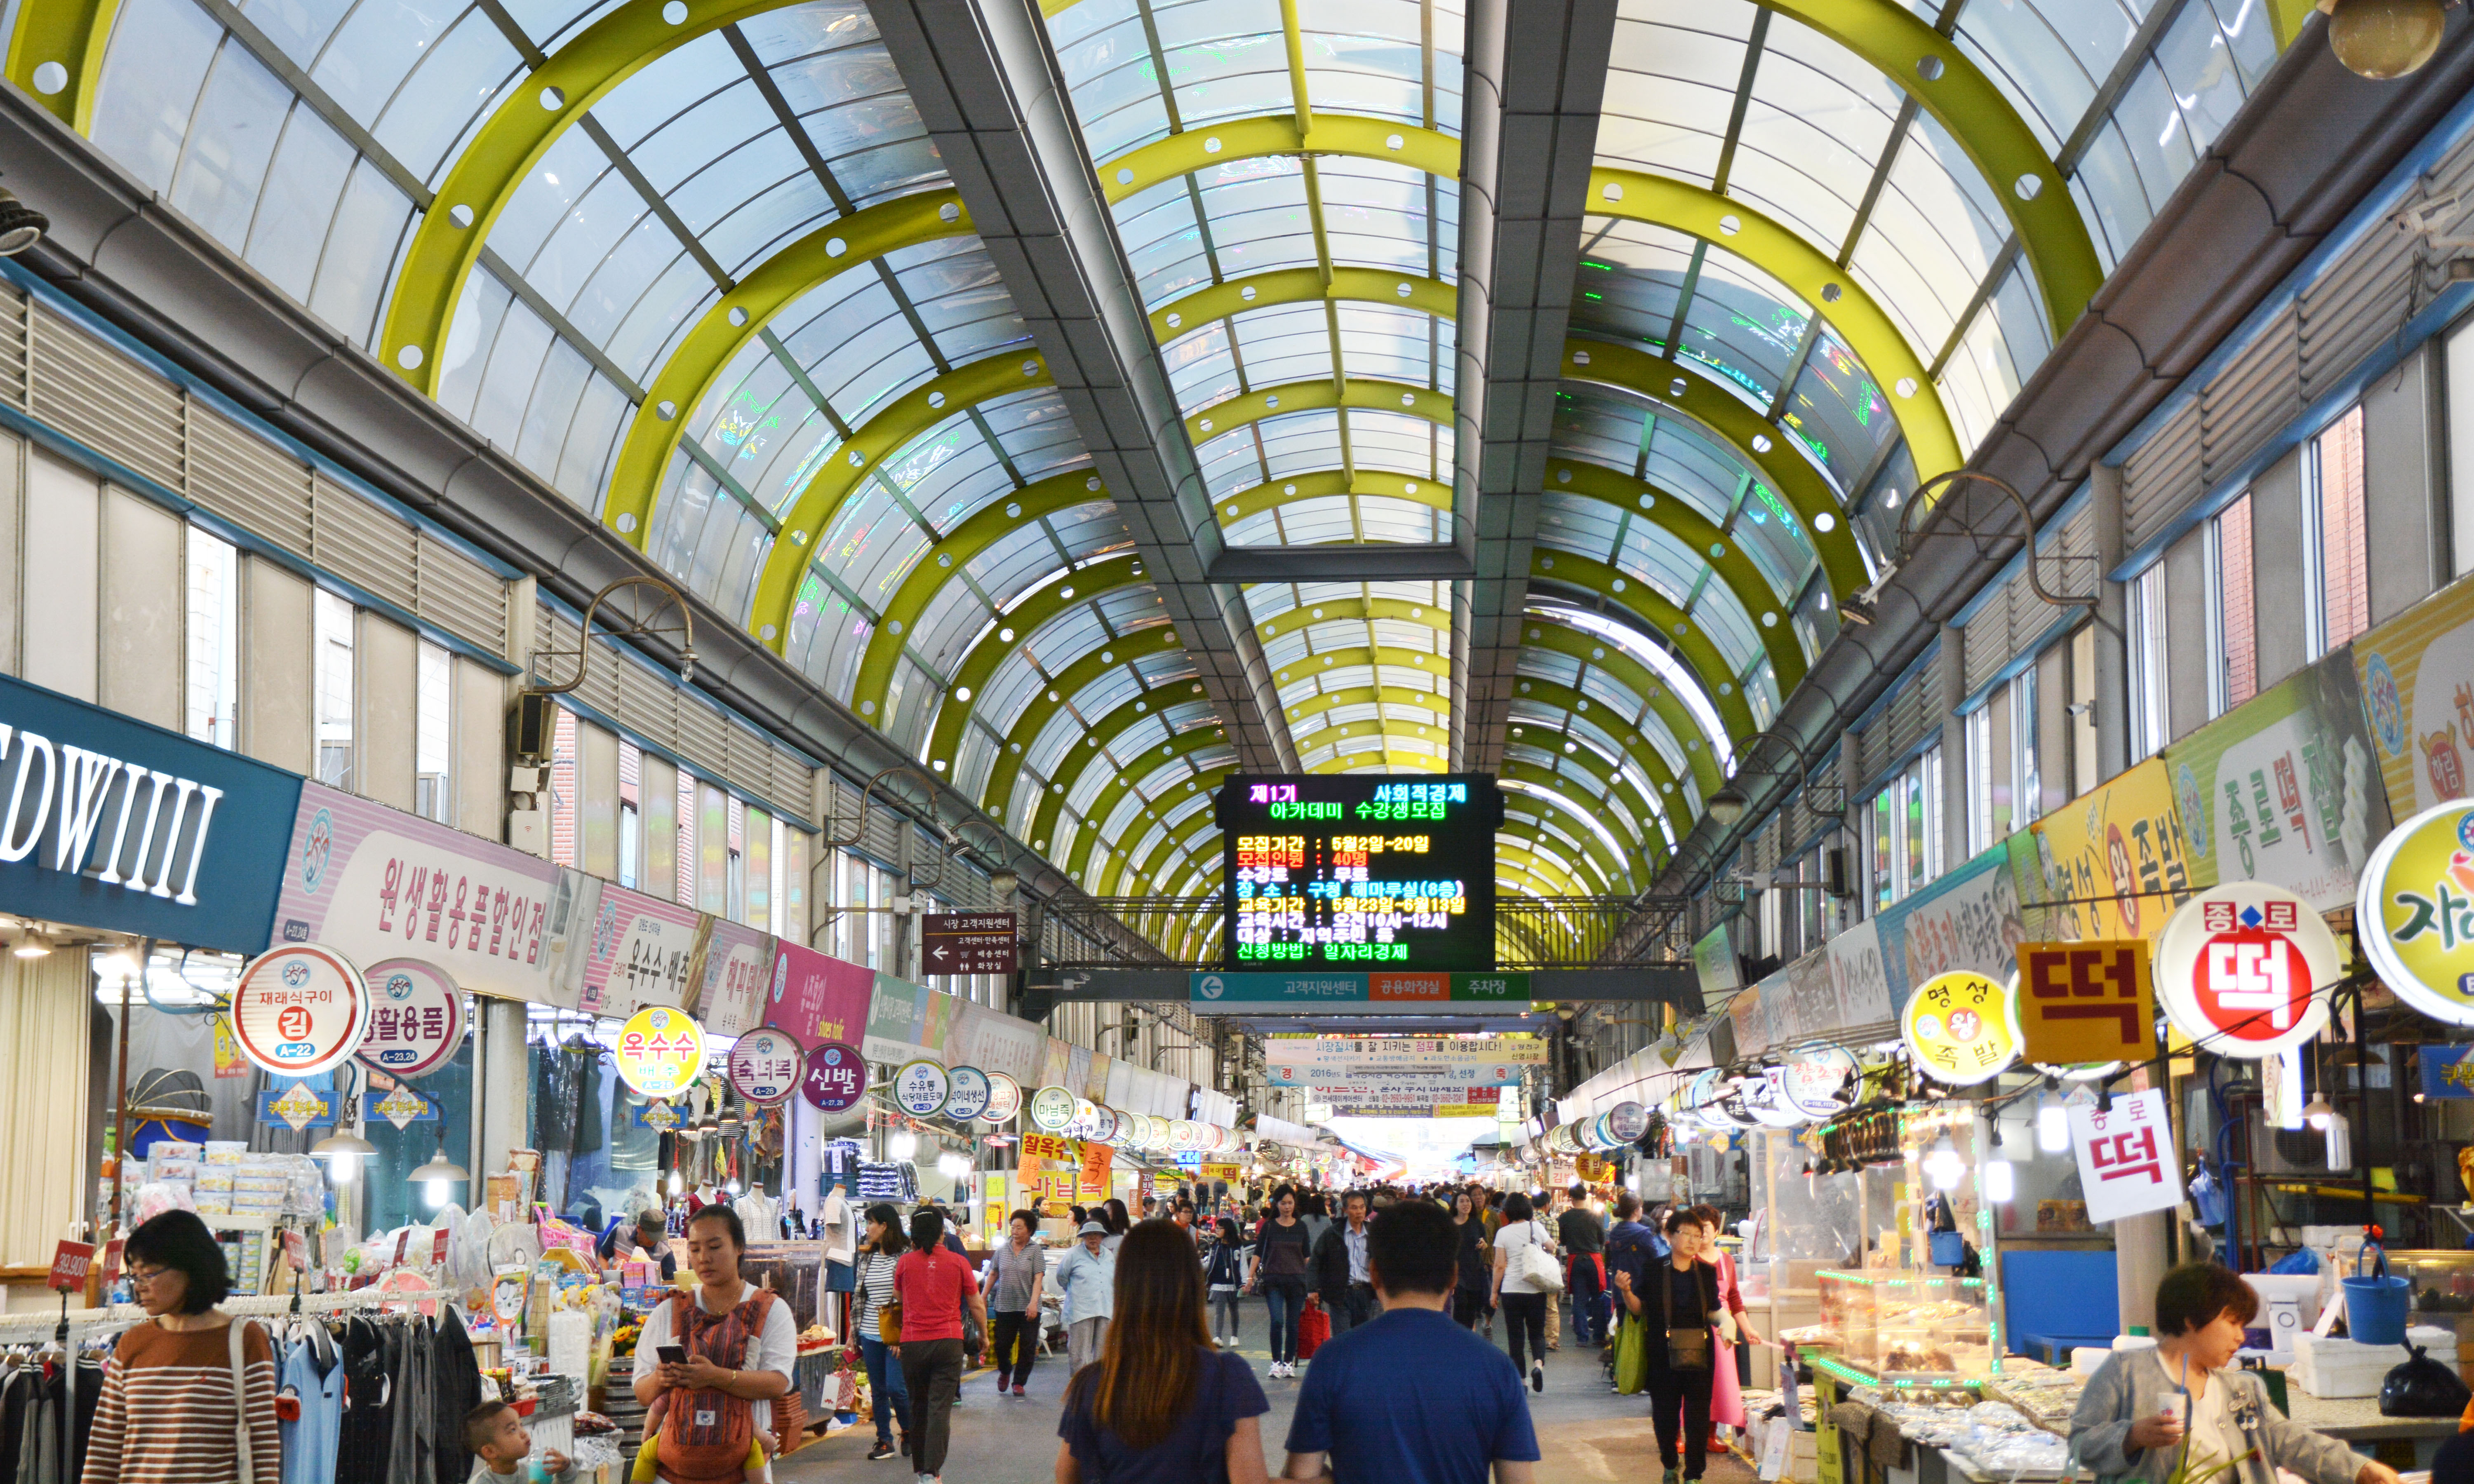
(1536, 1264)
(888, 1316)
(1687, 1349)
(240, 1403)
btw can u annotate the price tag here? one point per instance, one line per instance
(69, 1262)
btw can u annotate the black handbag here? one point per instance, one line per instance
(1687, 1349)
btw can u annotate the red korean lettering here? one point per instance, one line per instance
(533, 934)
(455, 915)
(386, 893)
(437, 904)
(419, 883)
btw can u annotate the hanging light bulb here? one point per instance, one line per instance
(901, 1143)
(1945, 1164)
(2001, 1180)
(678, 1185)
(731, 1187)
(2052, 1126)
(2318, 1112)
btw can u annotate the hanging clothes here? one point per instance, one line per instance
(368, 1432)
(455, 1389)
(412, 1457)
(314, 1375)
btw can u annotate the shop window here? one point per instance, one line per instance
(596, 1159)
(687, 835)
(388, 1196)
(786, 922)
(2335, 562)
(333, 678)
(1978, 727)
(214, 640)
(434, 748)
(736, 885)
(563, 789)
(2233, 654)
(631, 814)
(2150, 708)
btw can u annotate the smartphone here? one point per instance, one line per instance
(672, 1354)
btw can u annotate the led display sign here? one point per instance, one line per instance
(1370, 871)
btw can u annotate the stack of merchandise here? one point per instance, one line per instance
(2330, 1369)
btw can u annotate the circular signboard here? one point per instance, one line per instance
(920, 1087)
(661, 1050)
(2411, 913)
(1813, 1078)
(766, 1065)
(1765, 1099)
(2238, 967)
(1051, 1108)
(1181, 1136)
(1005, 1099)
(1105, 1124)
(416, 1018)
(300, 1010)
(968, 1096)
(1960, 1027)
(1627, 1121)
(836, 1077)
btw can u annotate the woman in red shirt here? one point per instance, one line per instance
(933, 1284)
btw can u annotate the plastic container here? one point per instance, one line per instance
(2376, 1303)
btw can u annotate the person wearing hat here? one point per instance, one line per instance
(645, 1243)
(1087, 1278)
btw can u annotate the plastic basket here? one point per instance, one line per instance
(2375, 1303)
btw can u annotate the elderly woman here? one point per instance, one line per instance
(2132, 1419)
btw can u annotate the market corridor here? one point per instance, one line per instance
(1585, 1432)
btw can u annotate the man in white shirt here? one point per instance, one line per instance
(716, 1239)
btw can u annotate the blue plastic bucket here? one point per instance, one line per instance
(2375, 1304)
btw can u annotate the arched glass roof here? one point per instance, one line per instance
(734, 307)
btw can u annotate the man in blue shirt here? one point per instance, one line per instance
(1411, 1398)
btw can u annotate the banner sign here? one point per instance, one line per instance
(1492, 1061)
(2127, 1162)
(2446, 1071)
(1714, 962)
(1967, 922)
(2081, 1002)
(836, 1077)
(660, 1051)
(416, 1018)
(817, 999)
(2416, 672)
(639, 953)
(920, 1087)
(300, 1010)
(2281, 788)
(766, 1065)
(117, 825)
(2124, 846)
(905, 1021)
(1388, 1100)
(993, 1042)
(1222, 993)
(1005, 1099)
(1961, 1027)
(2415, 917)
(374, 884)
(731, 972)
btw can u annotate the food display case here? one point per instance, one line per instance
(2443, 1294)
(1900, 1326)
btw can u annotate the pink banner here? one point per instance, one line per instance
(736, 965)
(642, 948)
(817, 999)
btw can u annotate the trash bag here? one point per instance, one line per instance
(1631, 1356)
(2423, 1387)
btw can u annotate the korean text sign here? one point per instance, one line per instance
(2127, 1162)
(2089, 1002)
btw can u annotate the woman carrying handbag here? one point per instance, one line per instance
(879, 1325)
(1526, 1279)
(1682, 1308)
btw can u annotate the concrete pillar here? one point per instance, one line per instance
(2112, 622)
(2139, 1264)
(1954, 781)
(502, 1087)
(1859, 886)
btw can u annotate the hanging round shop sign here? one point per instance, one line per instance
(2239, 969)
(661, 1050)
(2415, 916)
(1814, 1080)
(968, 1096)
(766, 1065)
(1765, 1099)
(1051, 1108)
(300, 1010)
(416, 1018)
(920, 1087)
(1627, 1121)
(1961, 1027)
(1005, 1099)
(1105, 1123)
(836, 1077)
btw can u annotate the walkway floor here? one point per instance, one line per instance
(1585, 1430)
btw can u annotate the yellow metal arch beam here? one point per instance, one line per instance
(1366, 695)
(1544, 870)
(891, 430)
(1328, 484)
(1213, 302)
(1611, 782)
(1732, 227)
(1226, 143)
(1328, 660)
(56, 55)
(1690, 644)
(1365, 394)
(1091, 749)
(1558, 697)
(1094, 819)
(1071, 589)
(1685, 388)
(1180, 840)
(955, 551)
(493, 162)
(1543, 633)
(738, 317)
(1548, 796)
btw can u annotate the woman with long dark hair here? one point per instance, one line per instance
(1161, 1397)
(1473, 1262)
(1279, 1270)
(1224, 1269)
(1524, 1303)
(1113, 1215)
(877, 1311)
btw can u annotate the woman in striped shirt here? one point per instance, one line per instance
(173, 1411)
(877, 1255)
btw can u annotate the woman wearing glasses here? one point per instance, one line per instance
(191, 1393)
